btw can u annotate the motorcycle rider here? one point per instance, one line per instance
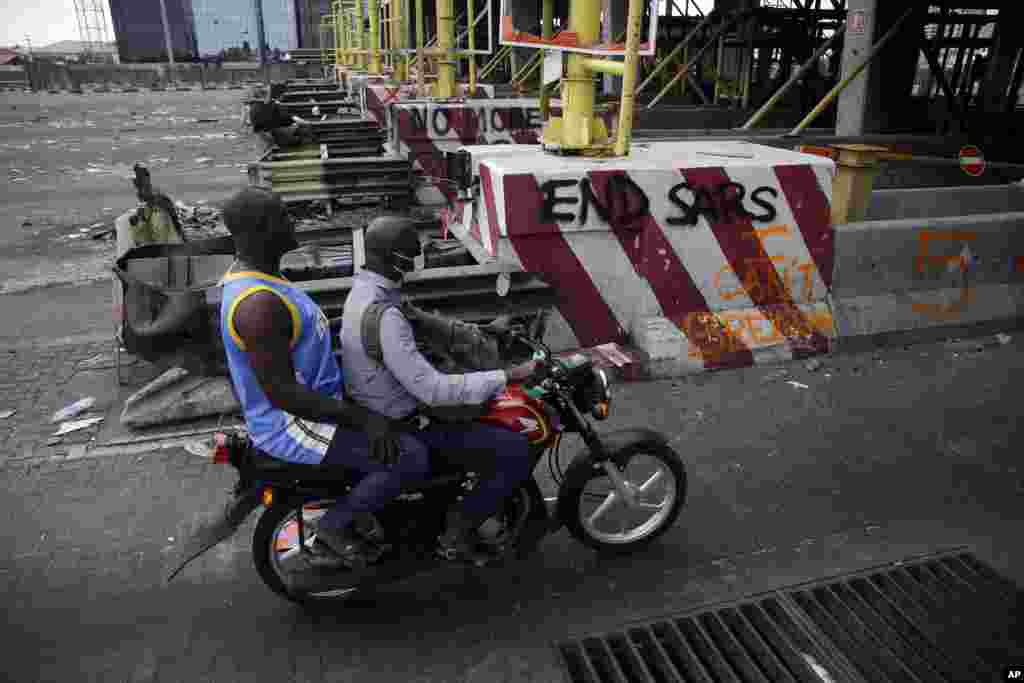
(406, 380)
(289, 383)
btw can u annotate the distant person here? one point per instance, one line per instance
(277, 127)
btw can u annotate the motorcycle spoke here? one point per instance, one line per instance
(654, 507)
(609, 501)
(655, 478)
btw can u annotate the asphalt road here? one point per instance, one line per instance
(69, 159)
(881, 457)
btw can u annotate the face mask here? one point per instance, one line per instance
(410, 264)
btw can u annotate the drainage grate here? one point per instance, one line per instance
(947, 617)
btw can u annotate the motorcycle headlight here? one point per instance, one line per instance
(603, 395)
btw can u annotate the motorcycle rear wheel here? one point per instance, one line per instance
(269, 551)
(575, 497)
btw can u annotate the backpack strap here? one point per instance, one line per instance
(370, 329)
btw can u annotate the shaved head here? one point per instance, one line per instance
(260, 225)
(252, 211)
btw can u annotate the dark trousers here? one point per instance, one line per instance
(379, 484)
(500, 456)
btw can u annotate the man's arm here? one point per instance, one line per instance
(265, 326)
(421, 379)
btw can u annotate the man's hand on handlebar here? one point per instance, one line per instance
(523, 371)
(502, 328)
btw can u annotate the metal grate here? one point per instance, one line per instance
(947, 617)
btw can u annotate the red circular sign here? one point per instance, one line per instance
(972, 161)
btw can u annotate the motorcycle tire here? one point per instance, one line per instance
(262, 539)
(583, 471)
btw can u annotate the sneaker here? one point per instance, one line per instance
(367, 526)
(459, 543)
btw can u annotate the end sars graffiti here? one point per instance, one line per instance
(622, 201)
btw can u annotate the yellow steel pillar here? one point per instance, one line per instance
(579, 129)
(547, 29)
(445, 46)
(856, 169)
(629, 79)
(578, 83)
(398, 39)
(471, 19)
(339, 34)
(374, 57)
(420, 64)
(360, 36)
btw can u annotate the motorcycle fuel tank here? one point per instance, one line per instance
(516, 410)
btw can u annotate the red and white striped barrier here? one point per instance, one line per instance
(424, 131)
(375, 94)
(706, 254)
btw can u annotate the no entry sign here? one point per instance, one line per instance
(858, 22)
(972, 161)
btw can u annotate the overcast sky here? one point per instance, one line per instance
(48, 21)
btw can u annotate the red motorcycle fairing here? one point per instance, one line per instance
(516, 410)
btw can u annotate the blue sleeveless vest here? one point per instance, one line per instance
(277, 433)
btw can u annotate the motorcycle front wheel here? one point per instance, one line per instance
(275, 548)
(596, 514)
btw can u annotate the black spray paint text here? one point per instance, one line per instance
(625, 202)
(441, 120)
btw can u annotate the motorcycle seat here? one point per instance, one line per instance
(273, 469)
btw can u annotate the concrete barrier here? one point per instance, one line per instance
(914, 273)
(425, 131)
(705, 256)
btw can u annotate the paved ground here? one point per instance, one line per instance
(881, 457)
(68, 161)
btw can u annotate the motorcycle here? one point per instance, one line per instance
(633, 471)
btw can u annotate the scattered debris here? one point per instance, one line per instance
(198, 449)
(76, 408)
(69, 427)
(964, 345)
(798, 385)
(207, 120)
(1003, 339)
(54, 441)
(6, 414)
(769, 378)
(813, 365)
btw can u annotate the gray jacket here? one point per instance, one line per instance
(407, 378)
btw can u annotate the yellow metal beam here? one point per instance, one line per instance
(578, 83)
(445, 42)
(471, 22)
(605, 66)
(420, 65)
(360, 37)
(624, 136)
(374, 48)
